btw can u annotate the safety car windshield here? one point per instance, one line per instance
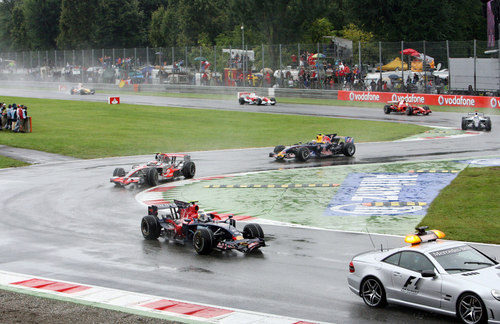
(461, 259)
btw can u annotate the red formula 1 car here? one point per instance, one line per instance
(403, 107)
(184, 221)
(252, 99)
(163, 167)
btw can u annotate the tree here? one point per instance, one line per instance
(18, 34)
(77, 24)
(352, 32)
(319, 28)
(6, 8)
(41, 20)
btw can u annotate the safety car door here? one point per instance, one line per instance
(410, 286)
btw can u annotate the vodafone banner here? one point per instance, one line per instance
(422, 99)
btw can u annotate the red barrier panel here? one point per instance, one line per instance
(422, 99)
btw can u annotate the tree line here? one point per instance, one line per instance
(76, 24)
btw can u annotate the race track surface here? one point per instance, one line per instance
(64, 220)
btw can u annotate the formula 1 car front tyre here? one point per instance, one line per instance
(427, 110)
(252, 230)
(188, 170)
(273, 101)
(303, 154)
(464, 123)
(387, 109)
(203, 240)
(409, 111)
(150, 227)
(487, 125)
(471, 310)
(152, 177)
(241, 101)
(349, 149)
(278, 148)
(373, 292)
(119, 172)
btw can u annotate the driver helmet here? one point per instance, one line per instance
(80, 85)
(319, 138)
(203, 216)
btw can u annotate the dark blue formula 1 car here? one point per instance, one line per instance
(323, 146)
(183, 221)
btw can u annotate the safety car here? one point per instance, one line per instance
(184, 222)
(405, 108)
(451, 278)
(476, 121)
(252, 99)
(165, 166)
(323, 146)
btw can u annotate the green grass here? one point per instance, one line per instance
(304, 101)
(468, 209)
(6, 162)
(92, 129)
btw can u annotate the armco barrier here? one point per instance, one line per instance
(422, 99)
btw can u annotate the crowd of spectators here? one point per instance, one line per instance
(13, 117)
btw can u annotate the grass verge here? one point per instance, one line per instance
(304, 101)
(93, 129)
(468, 209)
(6, 162)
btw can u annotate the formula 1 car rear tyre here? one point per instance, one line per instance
(252, 230)
(203, 240)
(303, 154)
(241, 101)
(278, 148)
(259, 101)
(119, 172)
(349, 149)
(387, 109)
(188, 170)
(464, 123)
(150, 227)
(409, 111)
(487, 125)
(152, 177)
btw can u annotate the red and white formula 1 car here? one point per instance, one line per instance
(403, 107)
(163, 167)
(252, 99)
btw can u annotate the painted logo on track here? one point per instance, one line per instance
(377, 194)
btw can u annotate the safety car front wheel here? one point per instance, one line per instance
(203, 240)
(150, 227)
(471, 310)
(373, 292)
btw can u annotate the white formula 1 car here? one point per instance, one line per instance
(476, 121)
(252, 99)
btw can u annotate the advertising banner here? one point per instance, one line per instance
(422, 99)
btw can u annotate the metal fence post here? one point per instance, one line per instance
(402, 64)
(102, 56)
(173, 56)
(93, 56)
(475, 66)
(186, 52)
(498, 90)
(135, 55)
(359, 57)
(380, 60)
(124, 54)
(448, 59)
(425, 70)
(215, 58)
(147, 55)
(263, 65)
(38, 54)
(113, 51)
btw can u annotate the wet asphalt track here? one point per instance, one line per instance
(63, 220)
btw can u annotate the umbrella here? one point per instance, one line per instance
(394, 76)
(410, 51)
(266, 70)
(319, 55)
(200, 58)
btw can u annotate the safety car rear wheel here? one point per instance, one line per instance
(471, 309)
(303, 154)
(488, 124)
(188, 170)
(373, 293)
(203, 240)
(253, 230)
(119, 172)
(152, 177)
(278, 148)
(387, 109)
(349, 149)
(150, 227)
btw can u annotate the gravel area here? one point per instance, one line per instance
(22, 308)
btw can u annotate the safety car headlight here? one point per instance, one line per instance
(496, 294)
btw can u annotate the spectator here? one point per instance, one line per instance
(373, 85)
(20, 120)
(3, 116)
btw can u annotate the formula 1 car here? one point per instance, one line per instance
(451, 278)
(81, 91)
(184, 221)
(403, 107)
(252, 99)
(476, 121)
(323, 146)
(164, 167)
